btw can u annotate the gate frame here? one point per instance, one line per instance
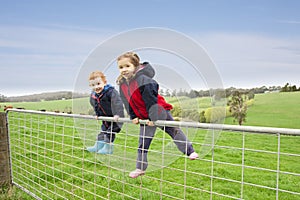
(5, 160)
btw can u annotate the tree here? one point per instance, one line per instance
(251, 95)
(167, 93)
(285, 88)
(161, 92)
(219, 94)
(289, 88)
(3, 98)
(182, 93)
(293, 88)
(174, 93)
(238, 106)
(192, 94)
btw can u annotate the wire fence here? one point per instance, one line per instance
(49, 160)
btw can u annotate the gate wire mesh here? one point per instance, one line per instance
(49, 161)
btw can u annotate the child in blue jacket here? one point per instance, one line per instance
(105, 101)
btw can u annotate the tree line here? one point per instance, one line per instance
(47, 96)
(216, 93)
(289, 88)
(219, 93)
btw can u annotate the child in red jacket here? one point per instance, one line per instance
(139, 93)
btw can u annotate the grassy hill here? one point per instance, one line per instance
(274, 110)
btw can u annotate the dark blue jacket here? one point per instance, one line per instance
(108, 103)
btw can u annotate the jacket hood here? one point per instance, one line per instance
(144, 69)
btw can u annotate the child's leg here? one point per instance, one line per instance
(179, 138)
(109, 138)
(100, 136)
(146, 136)
(110, 132)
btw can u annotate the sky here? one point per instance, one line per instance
(45, 45)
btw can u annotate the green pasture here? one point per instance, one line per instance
(53, 159)
(51, 106)
(280, 110)
(269, 110)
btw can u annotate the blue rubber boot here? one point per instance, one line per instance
(97, 146)
(108, 148)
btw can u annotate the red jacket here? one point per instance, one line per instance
(140, 95)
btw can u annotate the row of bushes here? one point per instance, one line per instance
(209, 115)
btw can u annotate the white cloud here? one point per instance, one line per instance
(49, 39)
(243, 60)
(40, 56)
(249, 60)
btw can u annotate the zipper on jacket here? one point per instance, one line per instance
(99, 105)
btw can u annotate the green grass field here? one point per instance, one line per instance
(274, 110)
(51, 159)
(271, 110)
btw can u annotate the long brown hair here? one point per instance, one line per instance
(134, 58)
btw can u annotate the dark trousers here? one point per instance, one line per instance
(108, 132)
(146, 135)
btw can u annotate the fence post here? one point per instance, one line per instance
(5, 171)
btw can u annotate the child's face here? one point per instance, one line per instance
(126, 68)
(97, 84)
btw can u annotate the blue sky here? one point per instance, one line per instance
(44, 43)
